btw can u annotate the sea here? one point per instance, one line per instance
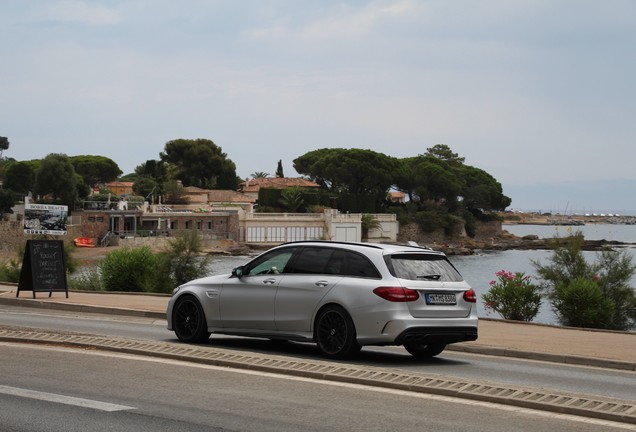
(479, 269)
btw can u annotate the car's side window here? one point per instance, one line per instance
(271, 263)
(357, 265)
(336, 263)
(312, 260)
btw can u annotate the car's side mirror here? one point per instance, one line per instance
(237, 271)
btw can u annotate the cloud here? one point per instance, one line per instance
(343, 20)
(76, 11)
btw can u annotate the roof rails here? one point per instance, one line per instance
(369, 245)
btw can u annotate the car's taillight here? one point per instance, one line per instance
(470, 296)
(396, 294)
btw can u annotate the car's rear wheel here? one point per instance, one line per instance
(335, 333)
(424, 350)
(189, 320)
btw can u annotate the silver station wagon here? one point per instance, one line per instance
(341, 296)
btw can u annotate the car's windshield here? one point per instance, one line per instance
(423, 267)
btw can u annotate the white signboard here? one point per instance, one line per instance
(45, 219)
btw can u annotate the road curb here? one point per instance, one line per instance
(75, 307)
(547, 357)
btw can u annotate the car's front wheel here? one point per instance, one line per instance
(424, 350)
(189, 320)
(335, 333)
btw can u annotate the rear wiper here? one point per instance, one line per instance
(430, 276)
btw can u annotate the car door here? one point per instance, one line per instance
(247, 302)
(313, 272)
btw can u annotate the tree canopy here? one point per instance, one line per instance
(443, 152)
(155, 169)
(146, 186)
(480, 190)
(440, 186)
(349, 170)
(20, 177)
(279, 169)
(200, 163)
(56, 177)
(95, 169)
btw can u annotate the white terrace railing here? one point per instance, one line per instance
(291, 216)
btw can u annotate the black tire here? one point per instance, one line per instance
(189, 320)
(424, 351)
(335, 333)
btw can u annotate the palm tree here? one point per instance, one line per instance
(260, 174)
(292, 199)
(368, 223)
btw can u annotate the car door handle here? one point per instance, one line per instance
(322, 283)
(269, 281)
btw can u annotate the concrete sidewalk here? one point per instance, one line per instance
(496, 337)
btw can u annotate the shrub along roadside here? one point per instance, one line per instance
(594, 295)
(141, 270)
(513, 296)
(129, 269)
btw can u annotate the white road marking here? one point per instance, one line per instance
(67, 400)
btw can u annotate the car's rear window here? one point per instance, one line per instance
(422, 267)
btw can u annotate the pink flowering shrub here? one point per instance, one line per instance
(513, 296)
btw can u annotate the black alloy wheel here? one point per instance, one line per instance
(189, 321)
(335, 333)
(424, 350)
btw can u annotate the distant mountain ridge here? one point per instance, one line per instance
(607, 196)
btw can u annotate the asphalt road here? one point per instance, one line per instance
(59, 389)
(531, 374)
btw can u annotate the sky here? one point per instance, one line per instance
(538, 93)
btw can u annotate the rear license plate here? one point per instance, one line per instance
(441, 299)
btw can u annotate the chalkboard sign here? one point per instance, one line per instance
(43, 267)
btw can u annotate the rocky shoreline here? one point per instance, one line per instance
(510, 242)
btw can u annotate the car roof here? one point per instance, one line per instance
(386, 248)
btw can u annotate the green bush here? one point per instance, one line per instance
(88, 279)
(432, 220)
(470, 224)
(269, 197)
(10, 271)
(129, 270)
(568, 277)
(582, 303)
(183, 259)
(513, 296)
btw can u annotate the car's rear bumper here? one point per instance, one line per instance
(427, 335)
(418, 330)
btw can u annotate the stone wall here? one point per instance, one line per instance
(12, 236)
(484, 232)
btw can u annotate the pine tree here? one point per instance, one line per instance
(279, 170)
